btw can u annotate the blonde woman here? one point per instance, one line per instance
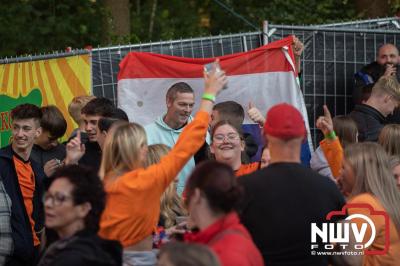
(171, 203)
(389, 139)
(134, 192)
(367, 177)
(395, 166)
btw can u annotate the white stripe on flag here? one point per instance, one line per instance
(144, 99)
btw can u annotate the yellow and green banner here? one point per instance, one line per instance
(42, 82)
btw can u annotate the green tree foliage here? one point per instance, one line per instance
(189, 18)
(295, 12)
(38, 26)
(173, 19)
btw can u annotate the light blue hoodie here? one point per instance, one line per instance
(159, 132)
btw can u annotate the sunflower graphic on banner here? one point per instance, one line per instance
(42, 82)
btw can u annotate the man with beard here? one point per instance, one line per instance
(167, 128)
(386, 64)
(22, 179)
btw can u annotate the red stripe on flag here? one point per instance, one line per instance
(268, 58)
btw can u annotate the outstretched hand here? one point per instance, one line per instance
(214, 80)
(75, 150)
(325, 123)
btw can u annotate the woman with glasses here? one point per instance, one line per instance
(73, 204)
(227, 146)
(212, 195)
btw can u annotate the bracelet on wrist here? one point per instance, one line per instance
(208, 96)
(331, 135)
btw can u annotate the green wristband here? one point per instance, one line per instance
(331, 135)
(208, 96)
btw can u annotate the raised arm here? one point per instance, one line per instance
(192, 137)
(75, 150)
(330, 145)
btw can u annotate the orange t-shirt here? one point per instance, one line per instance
(393, 255)
(26, 180)
(247, 168)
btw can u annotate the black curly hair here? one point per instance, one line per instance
(87, 188)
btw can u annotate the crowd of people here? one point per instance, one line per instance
(189, 190)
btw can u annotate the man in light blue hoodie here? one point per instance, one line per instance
(167, 128)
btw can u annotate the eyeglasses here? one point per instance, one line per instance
(56, 199)
(230, 137)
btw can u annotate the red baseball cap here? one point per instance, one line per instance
(284, 122)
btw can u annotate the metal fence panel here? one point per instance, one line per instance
(330, 59)
(390, 23)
